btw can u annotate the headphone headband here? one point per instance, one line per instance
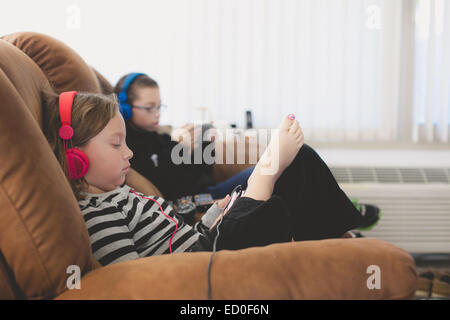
(125, 108)
(65, 106)
(123, 95)
(65, 111)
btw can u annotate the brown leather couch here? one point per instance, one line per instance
(42, 232)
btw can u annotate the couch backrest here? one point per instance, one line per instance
(61, 65)
(42, 232)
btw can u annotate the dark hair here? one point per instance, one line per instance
(140, 82)
(91, 113)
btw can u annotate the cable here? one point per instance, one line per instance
(176, 223)
(238, 191)
(208, 275)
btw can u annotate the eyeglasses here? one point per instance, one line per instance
(161, 107)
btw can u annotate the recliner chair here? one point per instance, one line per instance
(42, 232)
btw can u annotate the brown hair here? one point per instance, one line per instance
(91, 113)
(140, 82)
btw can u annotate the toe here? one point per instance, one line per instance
(294, 126)
(286, 123)
(295, 132)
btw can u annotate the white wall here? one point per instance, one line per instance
(385, 158)
(116, 37)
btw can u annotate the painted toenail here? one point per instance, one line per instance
(291, 116)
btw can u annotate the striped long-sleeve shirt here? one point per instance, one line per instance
(124, 226)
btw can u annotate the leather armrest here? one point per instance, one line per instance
(324, 269)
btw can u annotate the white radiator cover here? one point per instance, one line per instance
(415, 216)
(412, 188)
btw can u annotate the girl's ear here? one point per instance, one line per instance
(82, 148)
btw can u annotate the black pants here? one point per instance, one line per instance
(307, 204)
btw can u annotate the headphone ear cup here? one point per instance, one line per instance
(77, 163)
(125, 110)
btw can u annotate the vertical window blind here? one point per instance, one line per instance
(432, 71)
(334, 63)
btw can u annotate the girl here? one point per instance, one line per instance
(296, 199)
(152, 151)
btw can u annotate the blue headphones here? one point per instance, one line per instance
(125, 108)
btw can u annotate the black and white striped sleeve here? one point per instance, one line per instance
(111, 239)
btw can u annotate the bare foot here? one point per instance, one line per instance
(279, 154)
(282, 149)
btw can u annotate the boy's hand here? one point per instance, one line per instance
(185, 135)
(189, 137)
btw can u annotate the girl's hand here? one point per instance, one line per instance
(221, 204)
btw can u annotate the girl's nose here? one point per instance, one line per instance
(129, 153)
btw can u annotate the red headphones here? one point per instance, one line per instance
(77, 161)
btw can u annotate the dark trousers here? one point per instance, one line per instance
(318, 206)
(307, 204)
